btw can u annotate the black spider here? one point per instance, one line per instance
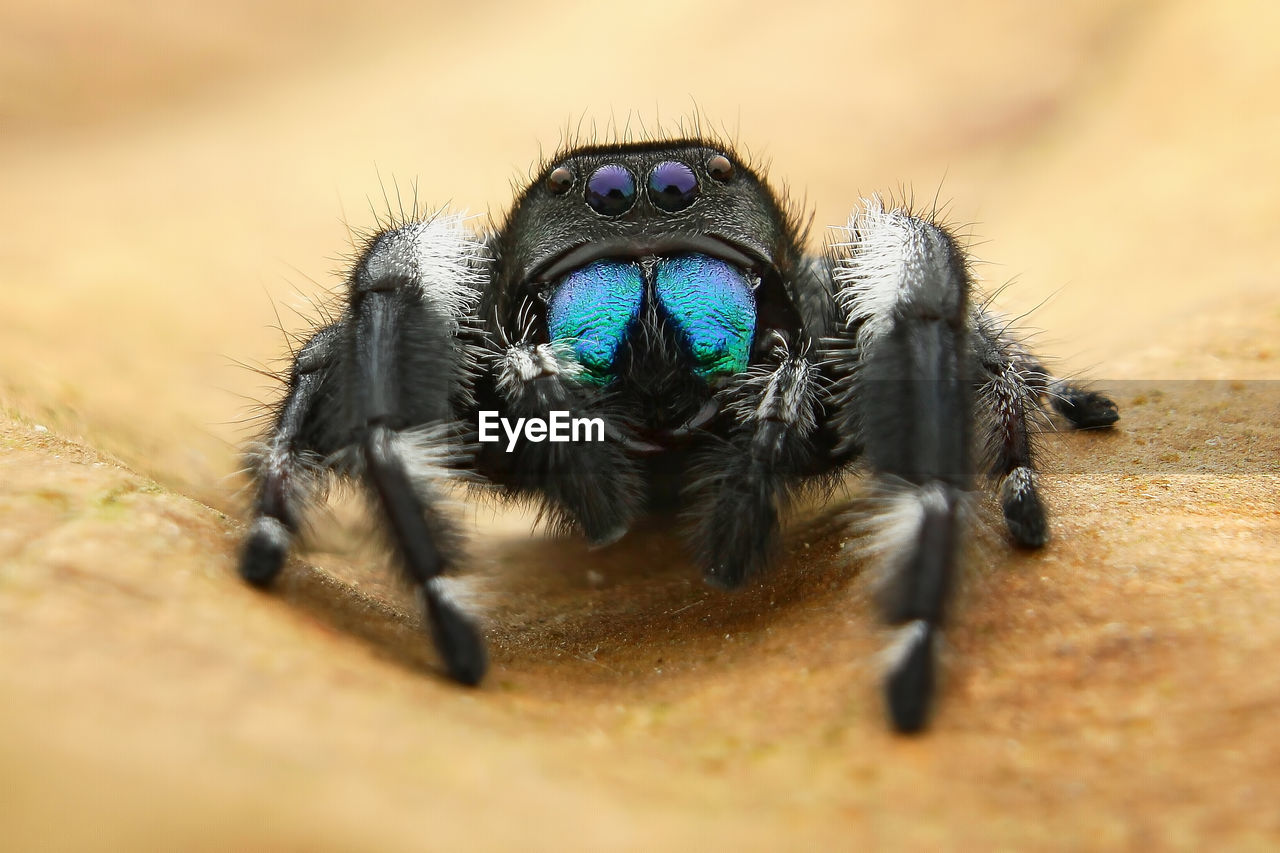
(661, 292)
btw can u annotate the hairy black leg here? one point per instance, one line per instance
(287, 463)
(906, 402)
(740, 485)
(1083, 408)
(1009, 399)
(1009, 402)
(588, 482)
(419, 533)
(407, 370)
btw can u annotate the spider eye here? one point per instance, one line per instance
(672, 186)
(560, 180)
(719, 167)
(611, 190)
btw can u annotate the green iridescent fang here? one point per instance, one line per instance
(713, 305)
(592, 311)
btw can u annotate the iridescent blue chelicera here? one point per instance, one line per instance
(713, 305)
(592, 310)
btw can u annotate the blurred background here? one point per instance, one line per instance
(174, 174)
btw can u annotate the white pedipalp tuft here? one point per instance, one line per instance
(519, 366)
(789, 397)
(784, 390)
(523, 363)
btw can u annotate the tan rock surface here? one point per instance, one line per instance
(169, 175)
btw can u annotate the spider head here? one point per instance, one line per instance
(603, 224)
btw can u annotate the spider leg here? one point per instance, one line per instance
(742, 483)
(422, 537)
(408, 368)
(906, 402)
(590, 483)
(998, 349)
(1084, 409)
(1009, 400)
(383, 396)
(287, 464)
(1015, 382)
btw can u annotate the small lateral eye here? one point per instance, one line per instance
(560, 180)
(719, 167)
(672, 186)
(611, 190)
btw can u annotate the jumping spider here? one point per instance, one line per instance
(663, 288)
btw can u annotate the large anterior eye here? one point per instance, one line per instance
(672, 186)
(611, 190)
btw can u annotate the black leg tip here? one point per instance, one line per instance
(458, 641)
(730, 561)
(1087, 409)
(1024, 515)
(909, 687)
(264, 552)
(1030, 536)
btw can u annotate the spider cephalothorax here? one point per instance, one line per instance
(660, 296)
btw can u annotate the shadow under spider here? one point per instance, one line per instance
(554, 601)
